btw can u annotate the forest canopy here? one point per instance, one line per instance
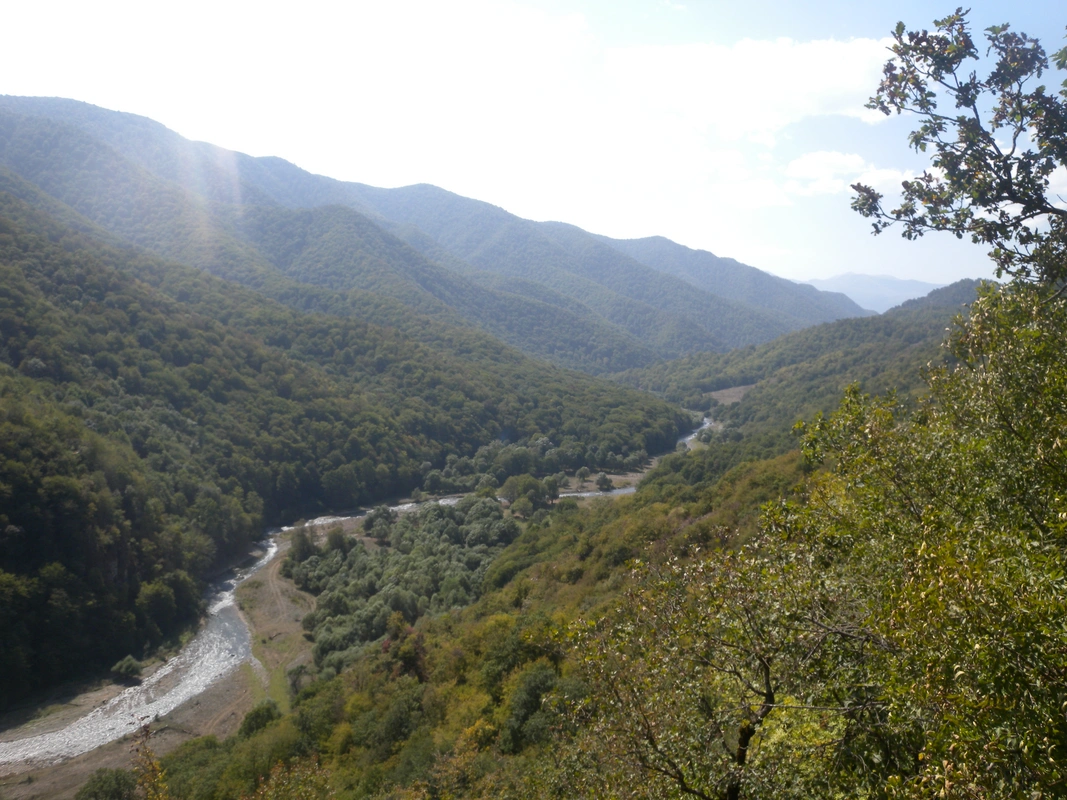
(156, 419)
(892, 626)
(896, 631)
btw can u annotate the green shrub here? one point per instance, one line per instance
(109, 784)
(262, 715)
(127, 669)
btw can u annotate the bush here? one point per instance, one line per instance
(262, 715)
(127, 669)
(109, 784)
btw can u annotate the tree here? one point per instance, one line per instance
(109, 784)
(955, 516)
(262, 714)
(127, 669)
(993, 152)
(551, 484)
(522, 508)
(603, 482)
(524, 486)
(729, 677)
(897, 631)
(151, 777)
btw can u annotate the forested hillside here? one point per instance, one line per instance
(798, 377)
(852, 586)
(640, 299)
(158, 418)
(284, 252)
(339, 248)
(832, 614)
(607, 310)
(512, 696)
(847, 350)
(880, 615)
(736, 281)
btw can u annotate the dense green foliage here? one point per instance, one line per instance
(892, 627)
(127, 668)
(799, 304)
(288, 254)
(884, 618)
(156, 418)
(467, 701)
(426, 562)
(496, 464)
(663, 312)
(568, 296)
(792, 666)
(339, 248)
(793, 378)
(899, 633)
(109, 784)
(449, 705)
(828, 357)
(88, 565)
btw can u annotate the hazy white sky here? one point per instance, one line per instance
(730, 126)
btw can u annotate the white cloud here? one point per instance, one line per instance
(750, 90)
(832, 172)
(519, 105)
(1057, 187)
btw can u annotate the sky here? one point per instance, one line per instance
(734, 127)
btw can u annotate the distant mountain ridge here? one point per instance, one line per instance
(804, 373)
(731, 279)
(154, 419)
(876, 292)
(550, 289)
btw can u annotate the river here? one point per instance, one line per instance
(221, 646)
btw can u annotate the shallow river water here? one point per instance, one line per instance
(221, 646)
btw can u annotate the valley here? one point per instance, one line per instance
(311, 488)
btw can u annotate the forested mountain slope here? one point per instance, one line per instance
(549, 684)
(626, 306)
(857, 342)
(571, 261)
(496, 698)
(339, 248)
(157, 418)
(276, 249)
(879, 615)
(211, 172)
(732, 279)
(800, 375)
(876, 292)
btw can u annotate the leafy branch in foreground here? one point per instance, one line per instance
(898, 633)
(993, 155)
(738, 675)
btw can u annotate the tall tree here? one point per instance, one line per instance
(899, 631)
(993, 150)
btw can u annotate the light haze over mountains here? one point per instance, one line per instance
(606, 115)
(198, 344)
(550, 289)
(876, 292)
